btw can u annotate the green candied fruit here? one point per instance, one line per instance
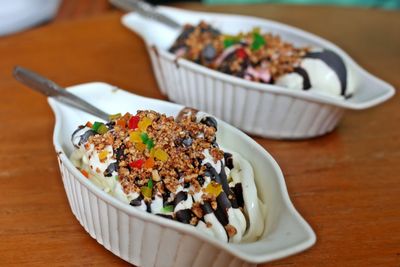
(228, 43)
(150, 144)
(230, 40)
(102, 129)
(99, 127)
(150, 183)
(258, 41)
(96, 125)
(168, 208)
(144, 137)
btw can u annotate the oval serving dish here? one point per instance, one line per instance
(147, 240)
(262, 109)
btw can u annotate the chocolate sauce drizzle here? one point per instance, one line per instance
(306, 80)
(83, 137)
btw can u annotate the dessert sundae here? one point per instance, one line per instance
(173, 168)
(264, 58)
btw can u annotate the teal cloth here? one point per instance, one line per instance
(388, 4)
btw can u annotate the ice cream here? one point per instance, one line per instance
(174, 169)
(265, 58)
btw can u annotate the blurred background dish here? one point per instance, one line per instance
(18, 15)
(261, 109)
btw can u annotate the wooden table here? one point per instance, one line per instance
(345, 184)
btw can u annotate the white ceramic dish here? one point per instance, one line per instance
(147, 240)
(265, 110)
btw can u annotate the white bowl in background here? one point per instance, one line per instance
(147, 240)
(18, 15)
(262, 109)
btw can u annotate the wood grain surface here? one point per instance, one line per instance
(346, 184)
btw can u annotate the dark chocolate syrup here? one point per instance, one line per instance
(306, 80)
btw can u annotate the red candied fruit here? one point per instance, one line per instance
(133, 122)
(137, 163)
(241, 53)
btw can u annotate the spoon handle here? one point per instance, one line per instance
(146, 10)
(51, 89)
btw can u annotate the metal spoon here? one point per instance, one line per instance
(51, 89)
(146, 10)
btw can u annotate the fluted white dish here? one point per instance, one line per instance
(147, 240)
(262, 109)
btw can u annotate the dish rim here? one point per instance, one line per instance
(230, 248)
(302, 94)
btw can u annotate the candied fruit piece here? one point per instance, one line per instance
(114, 116)
(230, 40)
(140, 146)
(136, 163)
(160, 155)
(103, 155)
(146, 191)
(258, 41)
(152, 152)
(167, 209)
(149, 163)
(133, 122)
(102, 129)
(241, 53)
(144, 123)
(144, 137)
(96, 125)
(121, 123)
(85, 173)
(150, 183)
(135, 137)
(214, 188)
(99, 127)
(150, 144)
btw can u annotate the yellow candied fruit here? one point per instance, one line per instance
(140, 146)
(134, 137)
(144, 123)
(214, 188)
(160, 155)
(103, 155)
(114, 116)
(152, 152)
(146, 191)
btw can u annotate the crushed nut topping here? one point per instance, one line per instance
(182, 141)
(249, 55)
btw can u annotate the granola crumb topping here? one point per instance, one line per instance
(170, 167)
(231, 230)
(256, 56)
(182, 141)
